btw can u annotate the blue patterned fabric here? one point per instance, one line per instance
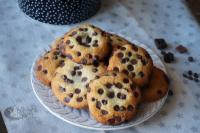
(22, 39)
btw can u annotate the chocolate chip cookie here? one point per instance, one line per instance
(157, 87)
(133, 61)
(112, 98)
(70, 82)
(47, 64)
(86, 44)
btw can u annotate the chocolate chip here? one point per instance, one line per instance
(190, 72)
(130, 108)
(73, 73)
(111, 121)
(79, 73)
(84, 61)
(118, 85)
(136, 94)
(93, 99)
(116, 108)
(76, 68)
(67, 99)
(196, 75)
(129, 54)
(123, 60)
(39, 68)
(133, 61)
(141, 74)
(62, 63)
(170, 93)
(159, 92)
(163, 52)
(135, 48)
(46, 57)
(121, 95)
(144, 62)
(132, 74)
(95, 63)
(108, 85)
(97, 77)
(89, 56)
(125, 71)
(111, 95)
(88, 39)
(160, 43)
(190, 59)
(79, 39)
(71, 46)
(130, 67)
(77, 90)
(81, 29)
(68, 42)
(125, 80)
(70, 95)
(120, 55)
(116, 69)
(98, 105)
(56, 53)
(64, 77)
(78, 53)
(69, 56)
(94, 34)
(132, 86)
(84, 79)
(79, 99)
(100, 91)
(104, 112)
(55, 57)
(196, 80)
(45, 71)
(73, 33)
(169, 57)
(104, 102)
(94, 70)
(181, 49)
(123, 48)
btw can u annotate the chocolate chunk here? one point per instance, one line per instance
(88, 39)
(125, 71)
(116, 108)
(104, 102)
(108, 85)
(121, 95)
(67, 99)
(45, 71)
(70, 95)
(181, 49)
(68, 42)
(116, 69)
(190, 59)
(169, 57)
(130, 108)
(160, 43)
(77, 90)
(159, 92)
(39, 68)
(79, 99)
(141, 74)
(93, 99)
(104, 112)
(69, 56)
(100, 91)
(125, 80)
(118, 85)
(133, 61)
(120, 55)
(111, 95)
(130, 67)
(98, 105)
(84, 79)
(78, 53)
(73, 73)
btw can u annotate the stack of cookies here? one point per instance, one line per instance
(90, 68)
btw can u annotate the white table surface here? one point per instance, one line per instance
(21, 39)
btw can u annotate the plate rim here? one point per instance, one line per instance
(97, 128)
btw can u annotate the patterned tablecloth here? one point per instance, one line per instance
(22, 38)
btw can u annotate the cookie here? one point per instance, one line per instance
(70, 82)
(86, 44)
(47, 64)
(157, 87)
(112, 98)
(56, 44)
(133, 61)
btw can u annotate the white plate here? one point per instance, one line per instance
(82, 118)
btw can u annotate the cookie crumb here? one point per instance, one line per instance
(190, 59)
(181, 49)
(169, 57)
(160, 43)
